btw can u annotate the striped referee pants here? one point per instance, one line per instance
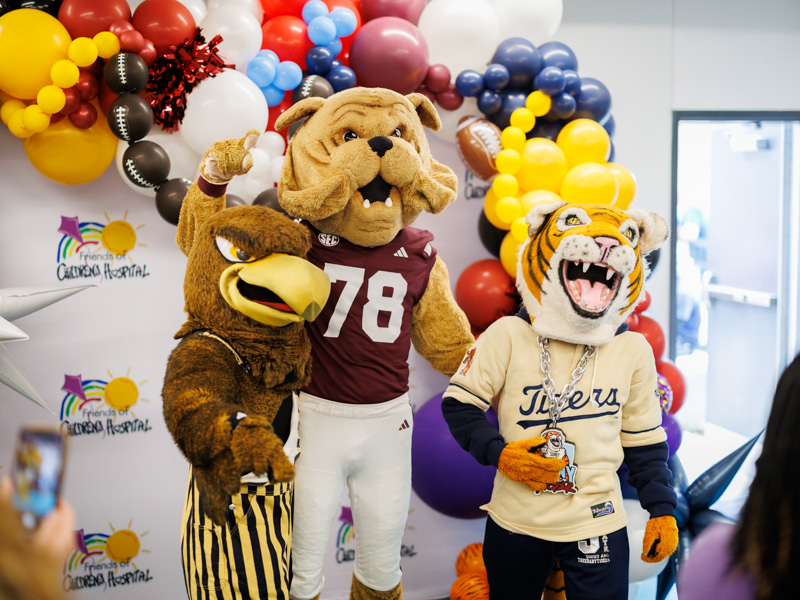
(249, 557)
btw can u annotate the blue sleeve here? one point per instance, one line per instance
(651, 477)
(473, 431)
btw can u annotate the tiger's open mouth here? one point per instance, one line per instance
(591, 287)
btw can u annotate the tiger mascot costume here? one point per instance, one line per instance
(566, 367)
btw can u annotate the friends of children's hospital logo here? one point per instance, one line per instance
(106, 560)
(91, 250)
(346, 536)
(101, 406)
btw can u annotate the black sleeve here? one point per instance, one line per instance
(473, 431)
(651, 477)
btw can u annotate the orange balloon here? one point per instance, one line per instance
(72, 156)
(470, 560)
(543, 166)
(589, 183)
(471, 586)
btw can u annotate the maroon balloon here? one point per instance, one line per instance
(87, 18)
(148, 52)
(84, 117)
(409, 10)
(450, 99)
(88, 86)
(427, 93)
(96, 68)
(389, 52)
(437, 79)
(73, 101)
(165, 22)
(117, 27)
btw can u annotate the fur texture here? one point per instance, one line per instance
(519, 462)
(358, 591)
(660, 538)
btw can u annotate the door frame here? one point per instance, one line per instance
(788, 286)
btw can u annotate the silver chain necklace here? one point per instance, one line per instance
(557, 403)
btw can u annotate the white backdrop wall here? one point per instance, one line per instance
(654, 57)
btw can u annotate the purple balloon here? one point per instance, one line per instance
(445, 477)
(409, 10)
(389, 52)
(674, 433)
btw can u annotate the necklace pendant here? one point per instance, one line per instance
(557, 446)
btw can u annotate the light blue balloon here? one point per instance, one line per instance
(273, 95)
(269, 55)
(313, 9)
(322, 31)
(345, 20)
(288, 75)
(261, 70)
(335, 47)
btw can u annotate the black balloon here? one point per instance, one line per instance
(491, 236)
(146, 164)
(231, 201)
(169, 198)
(313, 85)
(269, 198)
(130, 117)
(48, 6)
(126, 73)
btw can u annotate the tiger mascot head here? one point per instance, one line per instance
(581, 271)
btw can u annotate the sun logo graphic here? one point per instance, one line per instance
(100, 406)
(92, 250)
(345, 538)
(103, 560)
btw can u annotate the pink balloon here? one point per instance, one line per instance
(391, 53)
(410, 10)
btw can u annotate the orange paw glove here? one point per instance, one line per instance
(660, 539)
(519, 462)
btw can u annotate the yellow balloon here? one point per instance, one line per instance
(16, 126)
(70, 155)
(627, 185)
(523, 119)
(9, 108)
(107, 44)
(538, 103)
(65, 73)
(519, 229)
(505, 185)
(34, 119)
(543, 166)
(508, 209)
(51, 99)
(508, 161)
(490, 210)
(30, 42)
(508, 254)
(513, 138)
(531, 199)
(589, 183)
(584, 140)
(82, 51)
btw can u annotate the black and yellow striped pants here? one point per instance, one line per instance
(249, 557)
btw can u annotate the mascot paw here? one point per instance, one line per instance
(228, 158)
(216, 483)
(256, 448)
(521, 462)
(660, 539)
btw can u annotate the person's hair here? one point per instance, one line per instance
(766, 543)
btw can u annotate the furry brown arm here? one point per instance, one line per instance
(440, 330)
(197, 207)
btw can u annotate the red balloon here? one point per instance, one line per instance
(677, 382)
(643, 305)
(148, 52)
(87, 18)
(654, 335)
(84, 117)
(88, 86)
(485, 292)
(164, 22)
(73, 97)
(56, 118)
(410, 10)
(389, 52)
(287, 36)
(96, 68)
(131, 41)
(277, 8)
(632, 321)
(118, 27)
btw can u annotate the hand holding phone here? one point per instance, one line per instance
(38, 472)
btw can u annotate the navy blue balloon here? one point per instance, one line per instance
(341, 78)
(556, 54)
(469, 83)
(550, 80)
(682, 511)
(319, 60)
(611, 153)
(594, 100)
(489, 102)
(680, 481)
(335, 47)
(521, 58)
(702, 519)
(609, 125)
(336, 63)
(512, 100)
(546, 129)
(572, 82)
(561, 107)
(496, 77)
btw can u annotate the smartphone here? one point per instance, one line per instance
(38, 472)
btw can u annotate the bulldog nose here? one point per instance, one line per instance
(380, 145)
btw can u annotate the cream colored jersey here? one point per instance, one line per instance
(615, 405)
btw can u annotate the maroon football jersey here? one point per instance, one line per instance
(361, 340)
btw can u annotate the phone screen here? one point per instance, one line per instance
(38, 467)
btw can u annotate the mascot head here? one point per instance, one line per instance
(581, 271)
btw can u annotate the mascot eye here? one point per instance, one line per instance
(397, 133)
(349, 136)
(630, 233)
(572, 220)
(230, 252)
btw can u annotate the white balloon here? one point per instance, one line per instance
(221, 108)
(256, 185)
(534, 20)
(238, 187)
(252, 6)
(196, 7)
(272, 142)
(460, 34)
(262, 164)
(637, 521)
(240, 31)
(183, 161)
(450, 119)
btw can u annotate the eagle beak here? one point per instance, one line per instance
(277, 290)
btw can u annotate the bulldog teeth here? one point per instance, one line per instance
(610, 274)
(585, 267)
(366, 203)
(389, 202)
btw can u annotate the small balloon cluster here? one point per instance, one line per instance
(326, 30)
(273, 76)
(471, 581)
(439, 89)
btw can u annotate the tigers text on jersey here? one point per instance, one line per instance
(361, 340)
(614, 406)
